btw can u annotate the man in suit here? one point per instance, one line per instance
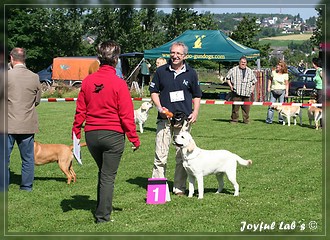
(24, 93)
(3, 136)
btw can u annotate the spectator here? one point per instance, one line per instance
(174, 87)
(160, 62)
(96, 65)
(301, 66)
(105, 106)
(317, 64)
(3, 136)
(24, 93)
(278, 87)
(241, 81)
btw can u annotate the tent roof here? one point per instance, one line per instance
(206, 45)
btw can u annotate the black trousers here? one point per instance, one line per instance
(106, 147)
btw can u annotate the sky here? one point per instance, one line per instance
(305, 12)
(306, 8)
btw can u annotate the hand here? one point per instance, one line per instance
(192, 117)
(135, 148)
(165, 112)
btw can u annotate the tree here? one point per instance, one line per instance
(182, 19)
(45, 33)
(246, 34)
(318, 36)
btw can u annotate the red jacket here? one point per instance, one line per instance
(104, 103)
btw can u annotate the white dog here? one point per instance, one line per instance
(287, 112)
(141, 114)
(199, 163)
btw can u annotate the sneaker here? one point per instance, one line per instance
(233, 122)
(179, 193)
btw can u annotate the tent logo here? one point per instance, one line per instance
(198, 42)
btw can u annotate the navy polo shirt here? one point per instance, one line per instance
(165, 83)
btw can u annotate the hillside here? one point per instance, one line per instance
(290, 37)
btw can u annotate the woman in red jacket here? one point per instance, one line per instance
(105, 106)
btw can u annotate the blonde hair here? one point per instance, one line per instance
(160, 61)
(283, 65)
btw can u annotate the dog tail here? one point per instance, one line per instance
(81, 145)
(244, 162)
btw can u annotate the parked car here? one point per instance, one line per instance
(294, 71)
(310, 72)
(302, 85)
(45, 78)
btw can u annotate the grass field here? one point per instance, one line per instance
(283, 187)
(290, 37)
(284, 41)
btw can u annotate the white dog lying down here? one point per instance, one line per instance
(141, 114)
(199, 163)
(288, 111)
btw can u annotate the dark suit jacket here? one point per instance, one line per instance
(24, 93)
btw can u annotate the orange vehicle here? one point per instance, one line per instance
(72, 70)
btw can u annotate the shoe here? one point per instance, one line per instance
(103, 221)
(179, 193)
(246, 122)
(268, 122)
(233, 122)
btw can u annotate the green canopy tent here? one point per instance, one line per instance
(206, 45)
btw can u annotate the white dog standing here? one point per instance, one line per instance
(314, 114)
(287, 112)
(141, 114)
(199, 163)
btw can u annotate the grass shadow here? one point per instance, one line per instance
(16, 178)
(149, 129)
(78, 202)
(304, 125)
(143, 182)
(213, 190)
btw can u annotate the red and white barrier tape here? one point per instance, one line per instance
(203, 102)
(58, 99)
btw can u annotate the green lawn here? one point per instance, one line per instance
(280, 43)
(283, 186)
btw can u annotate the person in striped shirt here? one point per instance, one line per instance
(241, 80)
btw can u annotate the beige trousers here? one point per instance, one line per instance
(164, 135)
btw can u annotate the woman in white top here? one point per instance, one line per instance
(278, 87)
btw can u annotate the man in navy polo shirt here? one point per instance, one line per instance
(174, 88)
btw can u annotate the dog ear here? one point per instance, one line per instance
(191, 146)
(185, 126)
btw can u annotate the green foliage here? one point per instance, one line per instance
(284, 182)
(318, 36)
(48, 32)
(304, 46)
(61, 91)
(45, 33)
(246, 33)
